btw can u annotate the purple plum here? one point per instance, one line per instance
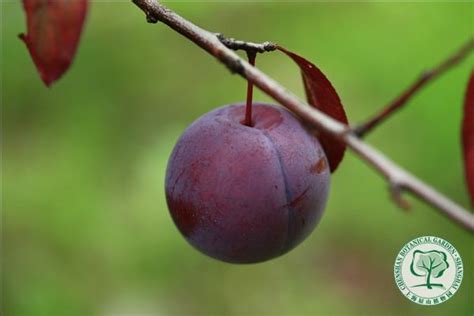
(246, 194)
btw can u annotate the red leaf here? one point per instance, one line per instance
(53, 31)
(468, 137)
(322, 95)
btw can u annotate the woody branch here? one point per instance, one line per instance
(399, 180)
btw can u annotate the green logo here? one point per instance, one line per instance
(428, 270)
(429, 264)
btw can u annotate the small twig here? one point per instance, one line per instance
(396, 191)
(387, 168)
(249, 47)
(403, 98)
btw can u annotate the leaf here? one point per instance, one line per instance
(53, 31)
(321, 94)
(468, 137)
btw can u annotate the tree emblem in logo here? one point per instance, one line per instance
(429, 264)
(428, 270)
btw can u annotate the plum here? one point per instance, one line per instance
(246, 194)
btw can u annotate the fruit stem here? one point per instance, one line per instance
(251, 55)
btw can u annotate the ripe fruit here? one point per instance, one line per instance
(246, 194)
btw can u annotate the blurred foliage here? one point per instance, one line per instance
(86, 229)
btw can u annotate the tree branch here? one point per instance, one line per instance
(396, 176)
(402, 99)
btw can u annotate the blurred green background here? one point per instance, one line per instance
(86, 230)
